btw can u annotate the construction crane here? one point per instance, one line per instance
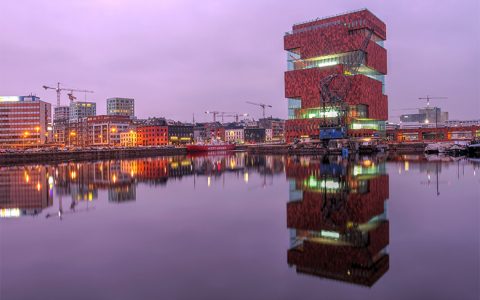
(428, 98)
(262, 105)
(216, 113)
(235, 115)
(59, 90)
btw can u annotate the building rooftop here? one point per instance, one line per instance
(331, 16)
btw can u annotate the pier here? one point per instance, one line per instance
(82, 155)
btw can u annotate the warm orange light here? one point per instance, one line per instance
(72, 133)
(113, 129)
(73, 175)
(37, 129)
(367, 163)
(26, 133)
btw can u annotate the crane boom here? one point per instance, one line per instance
(59, 90)
(428, 98)
(216, 113)
(262, 105)
(235, 115)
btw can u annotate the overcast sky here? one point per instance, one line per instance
(179, 57)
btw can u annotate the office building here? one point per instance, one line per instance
(121, 107)
(129, 138)
(105, 130)
(335, 83)
(234, 133)
(79, 110)
(180, 133)
(257, 135)
(276, 125)
(152, 135)
(24, 121)
(427, 115)
(61, 116)
(61, 113)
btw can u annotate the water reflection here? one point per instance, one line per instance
(337, 218)
(25, 190)
(191, 220)
(431, 167)
(28, 190)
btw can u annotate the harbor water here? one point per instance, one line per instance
(239, 226)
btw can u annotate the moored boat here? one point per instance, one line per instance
(456, 150)
(474, 148)
(436, 148)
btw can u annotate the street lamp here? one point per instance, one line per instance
(133, 138)
(25, 135)
(72, 134)
(37, 129)
(112, 130)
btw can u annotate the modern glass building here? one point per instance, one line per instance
(336, 76)
(121, 107)
(79, 110)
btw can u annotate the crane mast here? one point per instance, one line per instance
(59, 90)
(428, 98)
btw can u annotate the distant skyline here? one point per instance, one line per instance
(179, 57)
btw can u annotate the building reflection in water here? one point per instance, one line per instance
(25, 190)
(337, 218)
(29, 190)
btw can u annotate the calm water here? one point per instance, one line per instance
(241, 227)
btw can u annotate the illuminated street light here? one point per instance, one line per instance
(37, 129)
(25, 136)
(72, 134)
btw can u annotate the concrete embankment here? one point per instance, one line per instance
(79, 155)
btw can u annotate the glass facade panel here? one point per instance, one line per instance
(293, 105)
(358, 111)
(311, 113)
(368, 124)
(296, 63)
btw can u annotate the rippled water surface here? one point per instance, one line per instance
(235, 226)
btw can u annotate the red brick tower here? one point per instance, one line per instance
(335, 78)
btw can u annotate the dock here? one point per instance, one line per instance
(82, 155)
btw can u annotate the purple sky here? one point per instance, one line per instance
(178, 57)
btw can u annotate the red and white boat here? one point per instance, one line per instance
(210, 147)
